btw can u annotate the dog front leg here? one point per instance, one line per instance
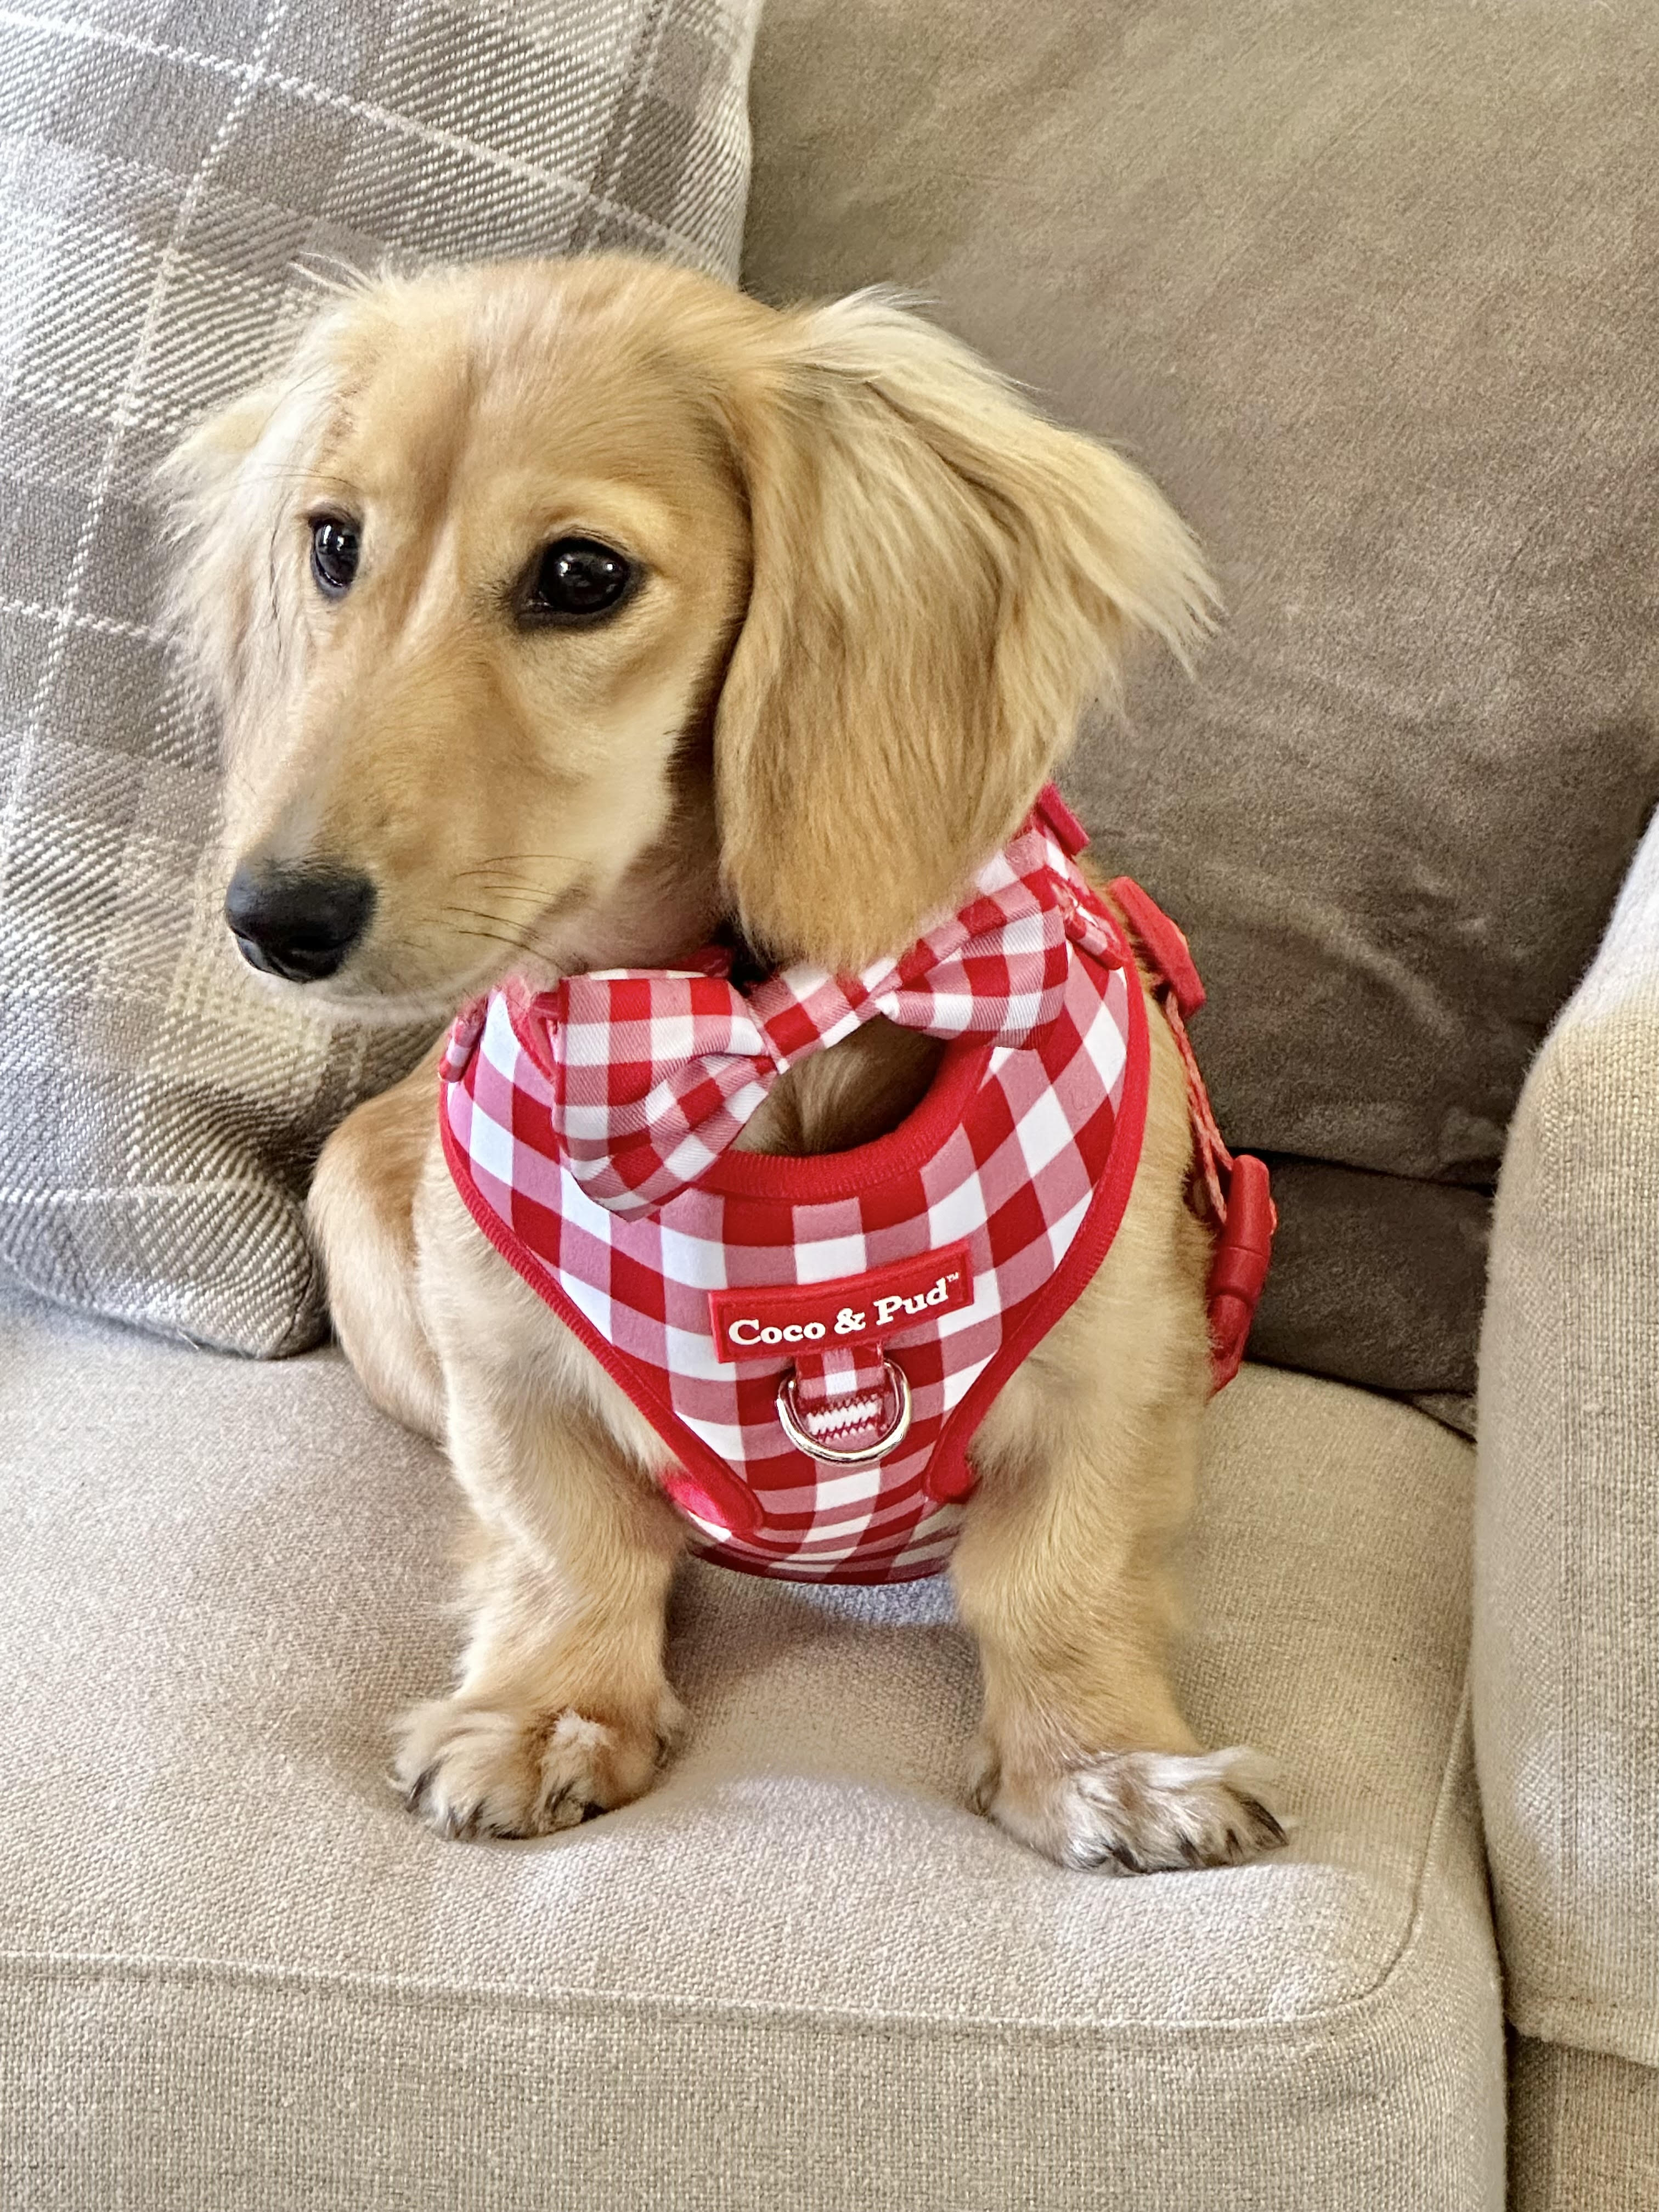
(1084, 1752)
(562, 1708)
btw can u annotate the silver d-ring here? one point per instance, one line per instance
(794, 1427)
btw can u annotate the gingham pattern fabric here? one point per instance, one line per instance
(1023, 1152)
(654, 1074)
(167, 164)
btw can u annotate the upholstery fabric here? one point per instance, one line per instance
(1567, 1656)
(169, 167)
(235, 1973)
(1370, 292)
(1584, 2133)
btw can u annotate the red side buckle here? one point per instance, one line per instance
(1165, 947)
(1239, 1267)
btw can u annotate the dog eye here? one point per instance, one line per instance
(575, 579)
(334, 548)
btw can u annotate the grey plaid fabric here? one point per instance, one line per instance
(170, 169)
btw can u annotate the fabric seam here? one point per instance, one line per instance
(1588, 2024)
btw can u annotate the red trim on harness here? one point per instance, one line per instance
(732, 1504)
(949, 1476)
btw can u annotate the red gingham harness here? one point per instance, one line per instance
(817, 1339)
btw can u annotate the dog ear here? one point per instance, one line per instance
(224, 490)
(941, 581)
(213, 511)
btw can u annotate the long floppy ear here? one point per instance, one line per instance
(942, 580)
(215, 537)
(225, 488)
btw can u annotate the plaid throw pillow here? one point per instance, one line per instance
(168, 163)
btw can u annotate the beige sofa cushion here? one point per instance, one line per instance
(233, 1973)
(167, 164)
(1567, 1608)
(1371, 290)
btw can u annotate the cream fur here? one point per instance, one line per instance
(880, 589)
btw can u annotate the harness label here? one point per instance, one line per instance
(854, 1309)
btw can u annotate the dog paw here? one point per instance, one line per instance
(472, 1770)
(1139, 1812)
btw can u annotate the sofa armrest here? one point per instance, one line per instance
(1566, 1631)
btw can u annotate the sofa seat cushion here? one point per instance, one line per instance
(800, 1972)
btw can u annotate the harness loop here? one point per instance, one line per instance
(896, 1383)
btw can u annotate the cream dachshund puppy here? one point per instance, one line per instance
(565, 616)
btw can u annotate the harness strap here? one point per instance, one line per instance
(1237, 1188)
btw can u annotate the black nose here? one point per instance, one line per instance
(297, 922)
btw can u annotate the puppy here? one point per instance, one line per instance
(564, 616)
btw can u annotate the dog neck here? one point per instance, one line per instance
(854, 1092)
(665, 910)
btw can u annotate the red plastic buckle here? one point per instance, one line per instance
(1239, 1267)
(1165, 945)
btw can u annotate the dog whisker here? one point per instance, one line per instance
(504, 863)
(492, 936)
(489, 916)
(532, 894)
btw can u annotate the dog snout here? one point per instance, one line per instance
(299, 923)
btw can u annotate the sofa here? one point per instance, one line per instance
(1423, 1571)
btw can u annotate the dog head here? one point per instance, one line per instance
(558, 610)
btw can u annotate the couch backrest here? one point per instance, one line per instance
(1373, 292)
